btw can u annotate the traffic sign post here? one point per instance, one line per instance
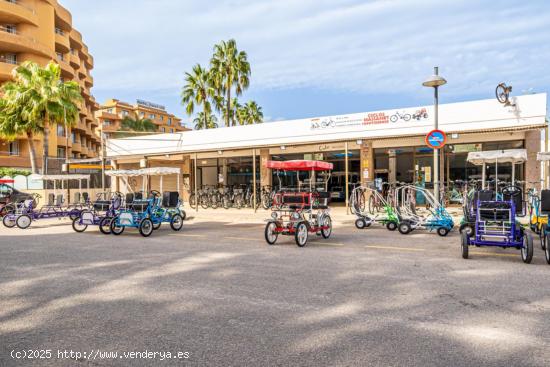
(436, 139)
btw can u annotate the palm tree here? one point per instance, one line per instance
(198, 90)
(14, 122)
(230, 69)
(250, 114)
(205, 122)
(46, 99)
(137, 124)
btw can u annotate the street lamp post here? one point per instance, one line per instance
(435, 81)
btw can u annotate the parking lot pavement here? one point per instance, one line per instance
(218, 292)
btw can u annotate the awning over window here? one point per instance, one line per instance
(153, 171)
(498, 156)
(300, 165)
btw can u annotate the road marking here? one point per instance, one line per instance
(241, 238)
(492, 254)
(395, 248)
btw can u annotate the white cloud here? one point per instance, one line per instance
(364, 46)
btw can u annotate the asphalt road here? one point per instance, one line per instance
(216, 291)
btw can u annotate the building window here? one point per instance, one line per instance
(171, 130)
(169, 121)
(125, 113)
(73, 137)
(60, 152)
(60, 130)
(142, 113)
(59, 56)
(162, 129)
(9, 58)
(161, 118)
(14, 148)
(110, 110)
(59, 31)
(10, 28)
(107, 123)
(152, 116)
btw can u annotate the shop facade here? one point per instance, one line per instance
(387, 145)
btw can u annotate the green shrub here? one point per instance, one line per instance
(7, 171)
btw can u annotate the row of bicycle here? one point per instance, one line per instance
(232, 196)
(111, 212)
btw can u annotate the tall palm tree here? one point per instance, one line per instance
(250, 113)
(46, 99)
(205, 122)
(198, 90)
(137, 124)
(231, 70)
(14, 122)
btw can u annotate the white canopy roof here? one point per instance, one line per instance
(153, 171)
(498, 156)
(59, 177)
(543, 156)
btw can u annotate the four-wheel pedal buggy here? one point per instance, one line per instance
(301, 211)
(167, 210)
(390, 218)
(100, 214)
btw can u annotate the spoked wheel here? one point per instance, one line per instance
(176, 223)
(78, 226)
(542, 238)
(226, 201)
(23, 221)
(204, 202)
(442, 231)
(74, 214)
(404, 228)
(8, 221)
(464, 243)
(105, 225)
(301, 234)
(391, 226)
(360, 223)
(466, 227)
(192, 201)
(547, 248)
(116, 228)
(8, 209)
(270, 234)
(371, 204)
(527, 249)
(146, 227)
(327, 222)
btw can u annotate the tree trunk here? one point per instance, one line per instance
(45, 145)
(228, 103)
(32, 152)
(66, 143)
(205, 116)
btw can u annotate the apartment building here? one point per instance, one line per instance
(113, 111)
(41, 31)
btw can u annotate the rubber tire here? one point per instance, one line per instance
(105, 225)
(74, 215)
(527, 250)
(442, 231)
(8, 224)
(360, 223)
(547, 250)
(329, 231)
(117, 231)
(80, 229)
(468, 227)
(156, 225)
(464, 244)
(404, 228)
(176, 227)
(266, 233)
(183, 214)
(300, 228)
(144, 225)
(25, 225)
(391, 226)
(542, 238)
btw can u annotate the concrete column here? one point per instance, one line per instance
(367, 163)
(265, 173)
(392, 166)
(532, 166)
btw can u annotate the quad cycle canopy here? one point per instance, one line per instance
(300, 211)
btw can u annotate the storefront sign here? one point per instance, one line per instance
(436, 139)
(373, 118)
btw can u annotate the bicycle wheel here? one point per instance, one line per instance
(192, 201)
(371, 204)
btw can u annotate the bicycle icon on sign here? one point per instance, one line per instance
(400, 116)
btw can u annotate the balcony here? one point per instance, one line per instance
(63, 18)
(13, 41)
(67, 71)
(14, 161)
(15, 12)
(6, 69)
(74, 60)
(82, 70)
(89, 81)
(62, 43)
(77, 148)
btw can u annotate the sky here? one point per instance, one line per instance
(319, 57)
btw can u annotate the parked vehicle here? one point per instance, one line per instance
(10, 197)
(100, 214)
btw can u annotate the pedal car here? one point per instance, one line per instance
(100, 214)
(167, 210)
(389, 218)
(136, 214)
(300, 211)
